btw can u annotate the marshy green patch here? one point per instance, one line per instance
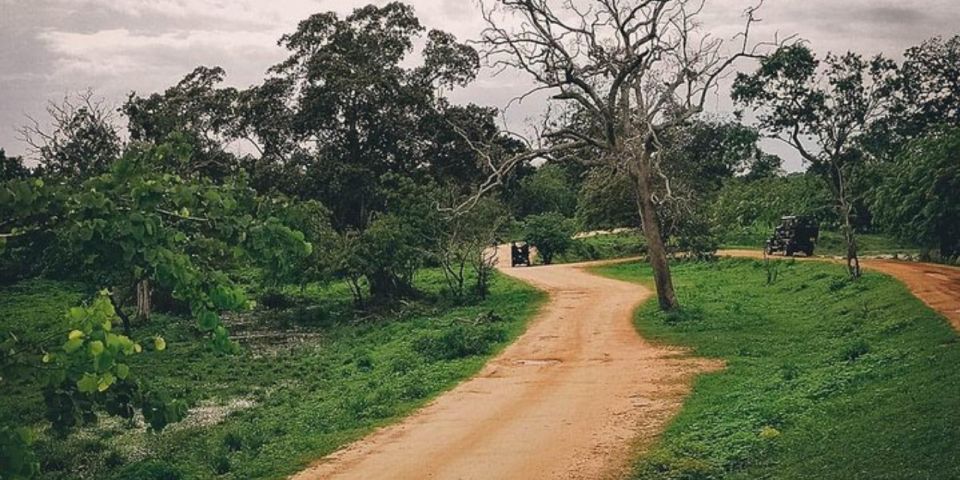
(309, 379)
(825, 377)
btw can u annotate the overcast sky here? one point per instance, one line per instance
(49, 48)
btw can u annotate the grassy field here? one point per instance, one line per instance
(630, 244)
(825, 378)
(311, 378)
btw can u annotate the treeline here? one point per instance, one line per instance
(878, 137)
(358, 169)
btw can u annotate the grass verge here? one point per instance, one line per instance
(825, 378)
(830, 244)
(604, 247)
(310, 379)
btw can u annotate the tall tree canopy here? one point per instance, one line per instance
(919, 197)
(824, 110)
(198, 112)
(81, 141)
(356, 112)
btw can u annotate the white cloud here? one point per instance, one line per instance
(114, 46)
(249, 12)
(122, 52)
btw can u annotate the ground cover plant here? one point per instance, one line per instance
(307, 379)
(825, 377)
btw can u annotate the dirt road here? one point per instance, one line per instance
(936, 285)
(571, 398)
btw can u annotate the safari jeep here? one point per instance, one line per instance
(794, 234)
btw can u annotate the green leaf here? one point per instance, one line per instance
(88, 383)
(123, 371)
(159, 344)
(75, 334)
(105, 381)
(76, 314)
(96, 348)
(72, 345)
(208, 320)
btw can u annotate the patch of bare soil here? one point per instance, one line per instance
(572, 398)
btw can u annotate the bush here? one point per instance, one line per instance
(459, 342)
(550, 233)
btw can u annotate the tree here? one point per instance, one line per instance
(198, 113)
(926, 96)
(12, 168)
(919, 198)
(396, 241)
(746, 202)
(632, 70)
(81, 141)
(134, 223)
(551, 233)
(356, 108)
(824, 114)
(548, 189)
(138, 225)
(465, 243)
(607, 200)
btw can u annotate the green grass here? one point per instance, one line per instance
(830, 243)
(326, 376)
(825, 378)
(603, 247)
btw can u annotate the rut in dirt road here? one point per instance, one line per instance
(571, 398)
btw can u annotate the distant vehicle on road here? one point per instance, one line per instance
(519, 254)
(794, 234)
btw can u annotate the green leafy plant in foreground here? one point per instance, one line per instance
(91, 371)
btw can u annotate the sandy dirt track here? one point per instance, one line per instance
(936, 285)
(572, 398)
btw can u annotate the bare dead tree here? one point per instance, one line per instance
(633, 68)
(78, 138)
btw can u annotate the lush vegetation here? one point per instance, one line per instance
(307, 378)
(331, 272)
(604, 246)
(920, 202)
(364, 176)
(825, 377)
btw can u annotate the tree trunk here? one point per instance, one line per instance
(846, 211)
(143, 299)
(853, 261)
(656, 250)
(123, 316)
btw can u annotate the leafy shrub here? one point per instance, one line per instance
(459, 342)
(550, 233)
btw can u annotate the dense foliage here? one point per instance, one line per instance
(551, 234)
(351, 170)
(919, 199)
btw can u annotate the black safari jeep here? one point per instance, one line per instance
(795, 234)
